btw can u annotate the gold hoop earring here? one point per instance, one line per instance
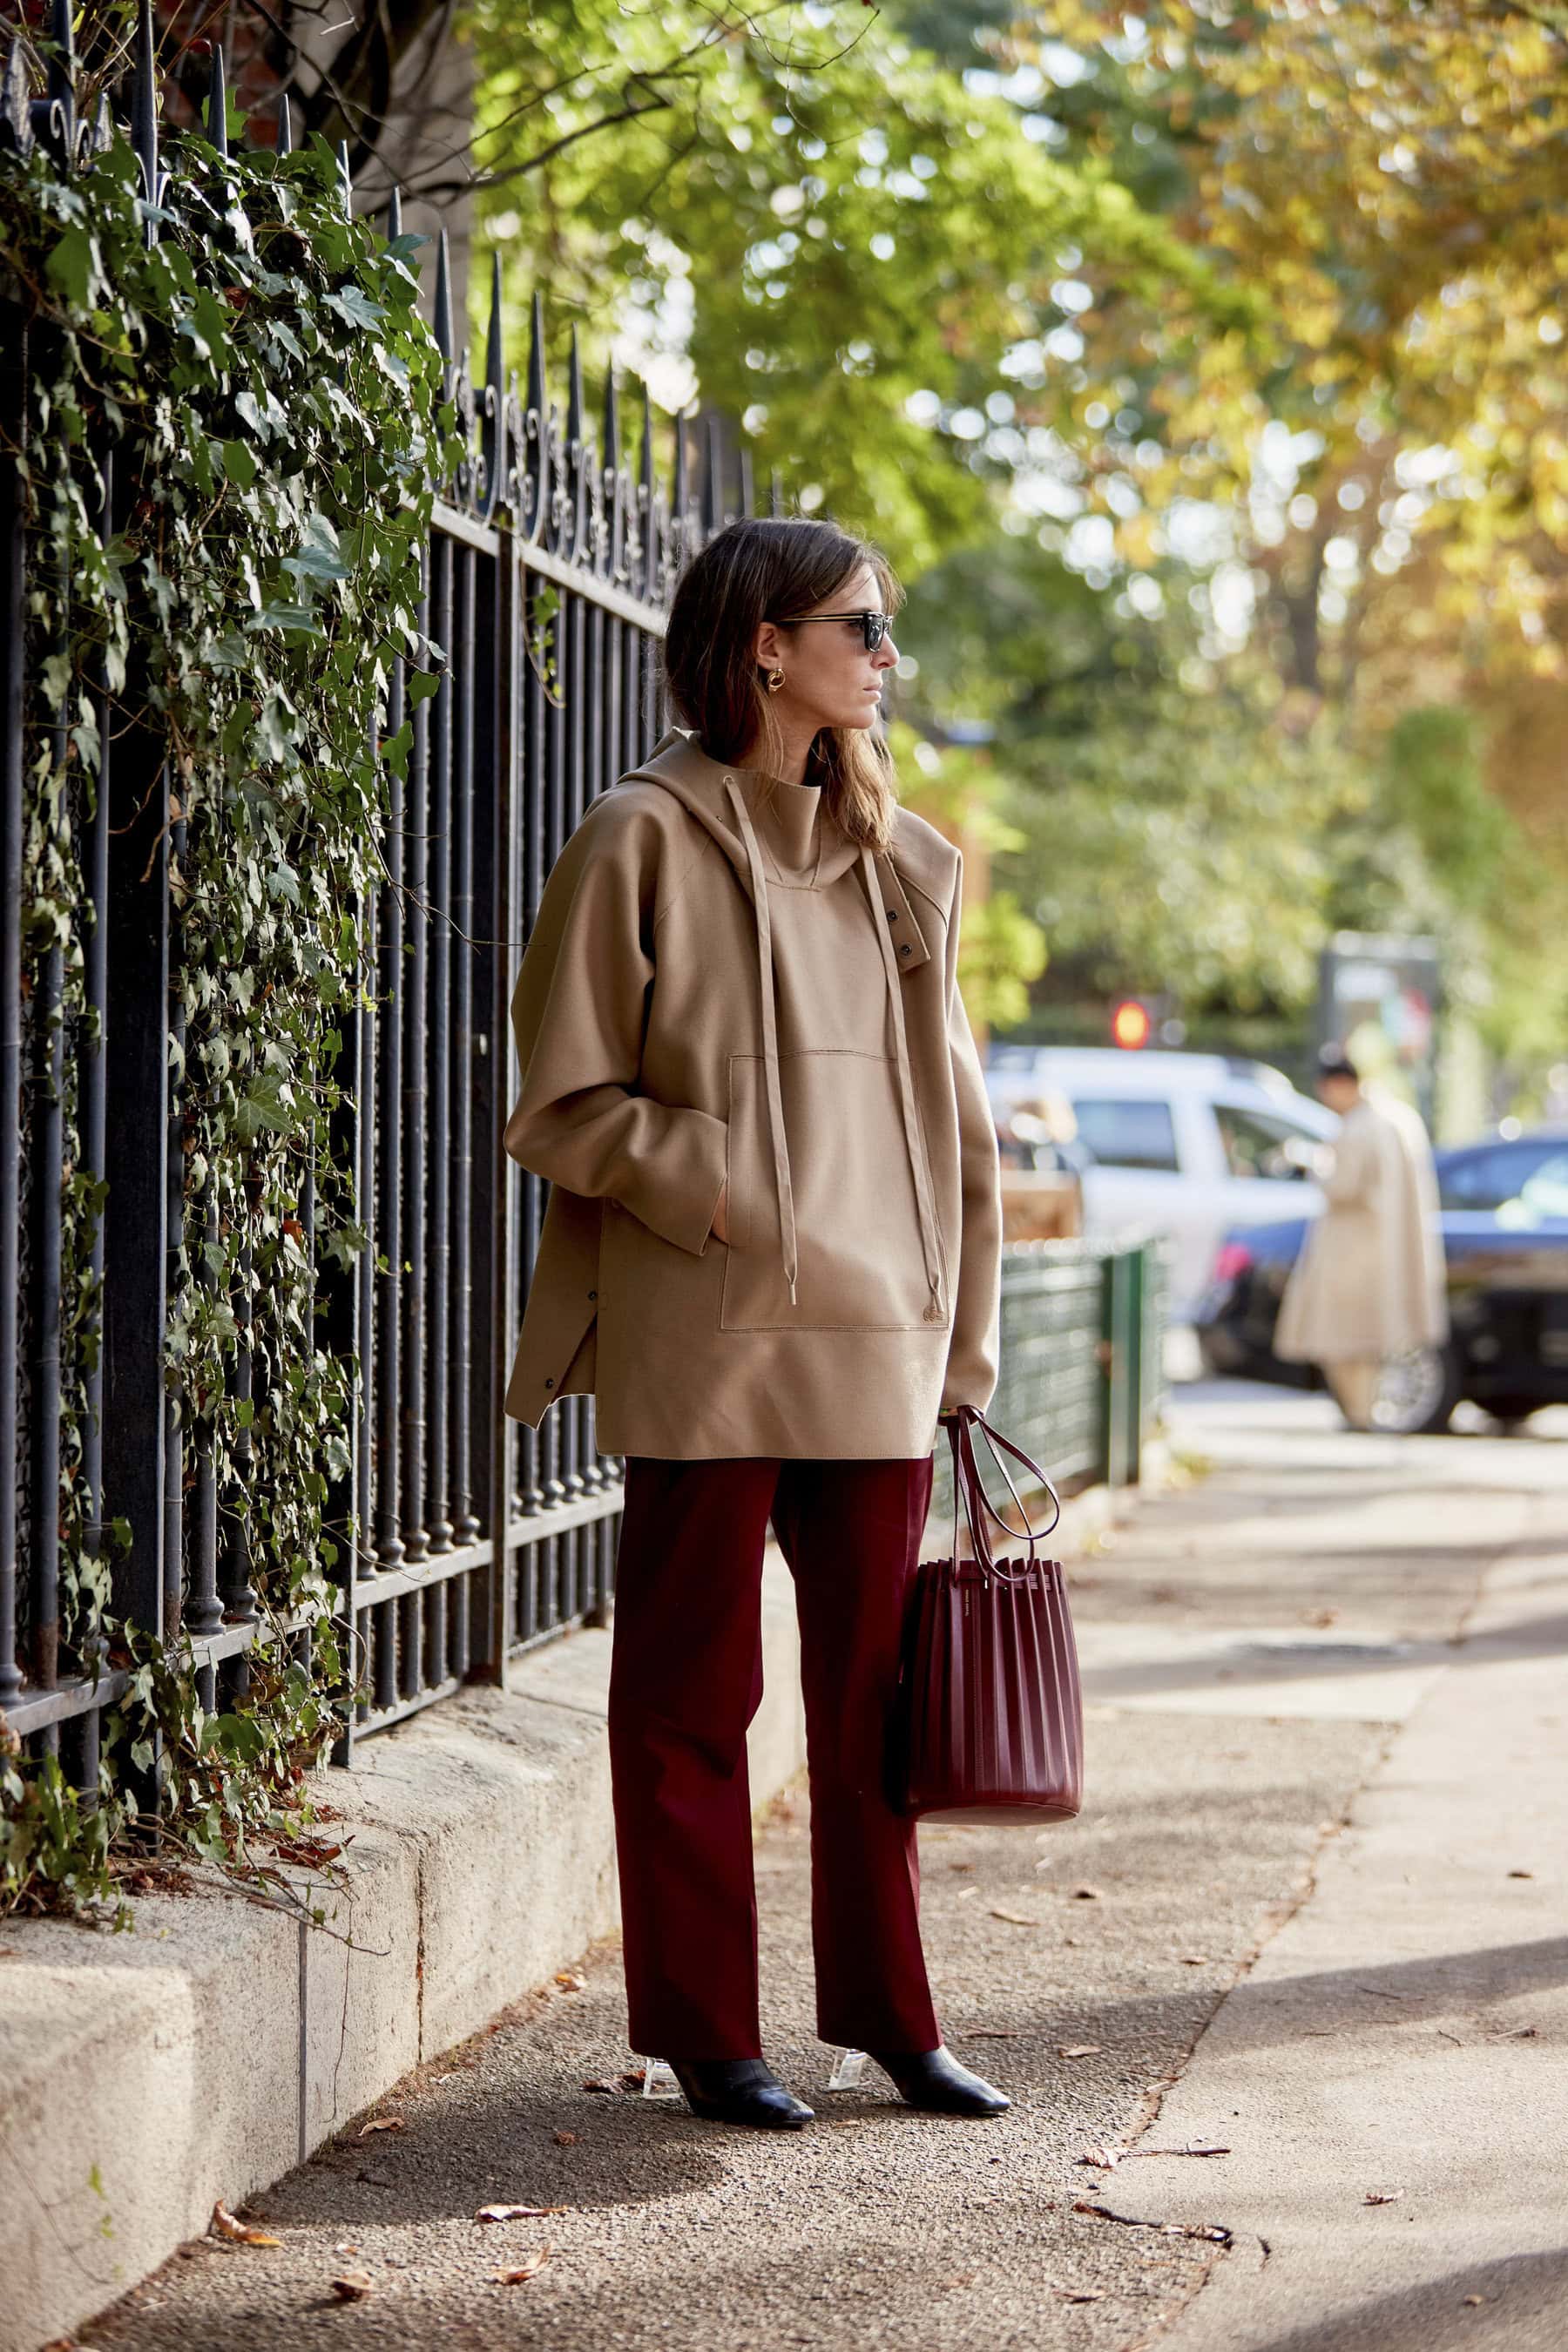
(775, 680)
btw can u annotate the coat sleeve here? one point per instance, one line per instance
(974, 1348)
(579, 1013)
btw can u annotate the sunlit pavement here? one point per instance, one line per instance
(1389, 2075)
(1312, 1920)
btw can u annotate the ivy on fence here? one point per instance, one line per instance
(250, 359)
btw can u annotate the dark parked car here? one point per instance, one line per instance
(1505, 1234)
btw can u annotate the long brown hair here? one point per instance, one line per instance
(774, 569)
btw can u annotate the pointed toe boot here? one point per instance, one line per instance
(739, 2091)
(933, 2080)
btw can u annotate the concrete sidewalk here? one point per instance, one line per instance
(1390, 2075)
(1281, 1734)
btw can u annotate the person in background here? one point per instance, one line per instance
(1368, 1284)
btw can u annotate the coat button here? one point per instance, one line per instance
(550, 1384)
(892, 914)
(593, 1294)
(905, 948)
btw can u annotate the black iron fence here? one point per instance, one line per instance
(463, 1537)
(466, 1538)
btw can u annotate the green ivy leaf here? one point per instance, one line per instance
(239, 464)
(268, 1104)
(73, 266)
(206, 327)
(356, 307)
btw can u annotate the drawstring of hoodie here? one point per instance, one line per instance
(935, 1311)
(770, 1038)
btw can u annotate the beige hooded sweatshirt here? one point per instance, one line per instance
(721, 986)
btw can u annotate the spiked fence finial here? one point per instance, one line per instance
(144, 102)
(713, 483)
(574, 392)
(610, 455)
(217, 103)
(493, 430)
(442, 320)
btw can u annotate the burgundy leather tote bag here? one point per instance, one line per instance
(989, 1726)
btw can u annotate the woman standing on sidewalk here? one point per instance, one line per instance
(772, 1253)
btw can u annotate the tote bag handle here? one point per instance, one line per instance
(968, 1489)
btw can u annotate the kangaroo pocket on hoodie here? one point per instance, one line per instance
(860, 1266)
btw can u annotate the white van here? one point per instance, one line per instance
(1185, 1144)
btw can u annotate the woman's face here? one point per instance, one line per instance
(830, 679)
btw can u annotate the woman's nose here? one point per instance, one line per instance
(886, 655)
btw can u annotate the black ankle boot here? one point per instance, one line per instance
(739, 2091)
(934, 2081)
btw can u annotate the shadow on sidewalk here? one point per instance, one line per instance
(483, 2148)
(1338, 2002)
(1522, 2306)
(1293, 1658)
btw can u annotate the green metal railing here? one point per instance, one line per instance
(1081, 1380)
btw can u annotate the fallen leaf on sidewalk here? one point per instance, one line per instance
(1087, 1895)
(240, 2233)
(1521, 1874)
(566, 2139)
(1106, 2159)
(610, 2087)
(353, 2286)
(1079, 2293)
(571, 1979)
(634, 2078)
(1383, 2197)
(346, 2248)
(960, 1866)
(381, 2123)
(992, 2033)
(1080, 2049)
(520, 2272)
(1014, 1918)
(1319, 1617)
(516, 2212)
(1195, 1960)
(1475, 2298)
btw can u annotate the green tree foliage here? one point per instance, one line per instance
(825, 219)
(1169, 832)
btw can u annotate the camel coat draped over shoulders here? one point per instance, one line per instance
(720, 986)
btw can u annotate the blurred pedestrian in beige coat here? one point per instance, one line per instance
(1369, 1283)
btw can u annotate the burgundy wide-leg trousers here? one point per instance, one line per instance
(686, 1680)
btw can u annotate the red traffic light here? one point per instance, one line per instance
(1132, 1024)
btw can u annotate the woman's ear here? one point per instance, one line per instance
(766, 647)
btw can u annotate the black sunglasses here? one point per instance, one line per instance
(873, 625)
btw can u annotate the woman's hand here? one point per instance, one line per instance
(721, 1223)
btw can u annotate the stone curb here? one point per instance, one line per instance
(205, 2054)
